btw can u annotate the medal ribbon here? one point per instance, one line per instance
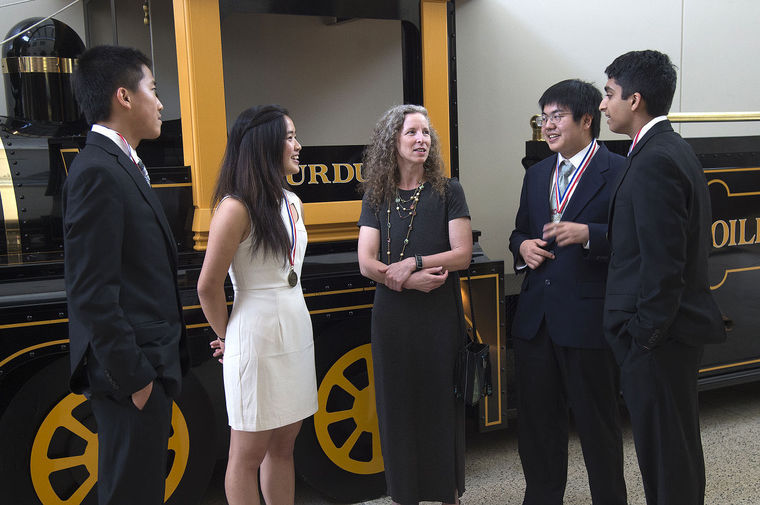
(143, 171)
(129, 149)
(633, 144)
(293, 235)
(563, 198)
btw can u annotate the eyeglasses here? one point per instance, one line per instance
(556, 118)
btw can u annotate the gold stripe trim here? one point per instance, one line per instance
(10, 208)
(173, 185)
(33, 323)
(32, 348)
(63, 158)
(732, 271)
(724, 170)
(732, 365)
(729, 193)
(38, 64)
(712, 117)
(341, 309)
(339, 291)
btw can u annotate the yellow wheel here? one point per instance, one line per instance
(343, 403)
(50, 444)
(66, 426)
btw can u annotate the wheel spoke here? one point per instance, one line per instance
(82, 491)
(55, 464)
(334, 417)
(347, 386)
(351, 441)
(74, 426)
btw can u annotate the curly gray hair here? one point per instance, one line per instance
(380, 164)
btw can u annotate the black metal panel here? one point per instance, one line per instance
(39, 165)
(411, 62)
(405, 10)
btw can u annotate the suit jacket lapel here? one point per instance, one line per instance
(589, 185)
(126, 163)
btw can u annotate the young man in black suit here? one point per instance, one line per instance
(659, 311)
(563, 362)
(125, 316)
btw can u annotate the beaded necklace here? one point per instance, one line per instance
(413, 202)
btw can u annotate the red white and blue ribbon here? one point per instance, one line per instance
(633, 144)
(293, 235)
(142, 170)
(564, 197)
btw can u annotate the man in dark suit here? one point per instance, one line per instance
(659, 311)
(125, 316)
(563, 362)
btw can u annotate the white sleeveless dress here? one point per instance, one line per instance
(269, 371)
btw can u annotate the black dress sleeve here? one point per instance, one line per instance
(369, 216)
(455, 200)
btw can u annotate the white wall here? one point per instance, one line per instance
(336, 80)
(510, 51)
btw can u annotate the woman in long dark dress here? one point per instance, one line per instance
(414, 236)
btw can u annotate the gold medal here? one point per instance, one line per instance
(292, 278)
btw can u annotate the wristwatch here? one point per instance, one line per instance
(418, 260)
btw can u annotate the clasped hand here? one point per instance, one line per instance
(402, 275)
(566, 233)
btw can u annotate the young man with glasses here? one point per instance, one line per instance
(659, 311)
(563, 362)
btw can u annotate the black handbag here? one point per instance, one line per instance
(472, 379)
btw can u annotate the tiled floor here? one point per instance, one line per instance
(730, 434)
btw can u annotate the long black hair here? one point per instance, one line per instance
(252, 171)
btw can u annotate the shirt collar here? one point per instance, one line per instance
(649, 126)
(577, 159)
(117, 139)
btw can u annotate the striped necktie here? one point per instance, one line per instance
(565, 169)
(144, 171)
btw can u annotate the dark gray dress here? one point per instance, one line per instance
(415, 338)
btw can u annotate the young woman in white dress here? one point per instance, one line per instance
(266, 343)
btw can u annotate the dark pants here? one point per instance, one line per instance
(552, 380)
(660, 390)
(132, 448)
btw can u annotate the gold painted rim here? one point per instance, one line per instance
(38, 64)
(712, 117)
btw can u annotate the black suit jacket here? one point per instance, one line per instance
(125, 315)
(659, 232)
(568, 291)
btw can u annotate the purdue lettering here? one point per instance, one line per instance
(319, 173)
(318, 170)
(735, 232)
